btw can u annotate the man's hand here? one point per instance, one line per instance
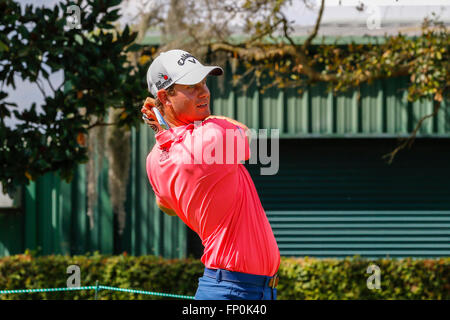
(167, 211)
(149, 115)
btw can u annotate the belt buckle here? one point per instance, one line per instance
(274, 281)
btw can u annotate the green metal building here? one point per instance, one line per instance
(333, 195)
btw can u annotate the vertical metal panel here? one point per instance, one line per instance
(420, 109)
(131, 247)
(147, 239)
(155, 223)
(30, 217)
(55, 227)
(105, 225)
(181, 250)
(65, 216)
(247, 105)
(397, 107)
(443, 118)
(79, 229)
(224, 96)
(273, 109)
(44, 213)
(297, 112)
(321, 110)
(372, 108)
(243, 112)
(11, 234)
(141, 182)
(347, 113)
(100, 235)
(255, 107)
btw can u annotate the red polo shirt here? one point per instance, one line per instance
(195, 170)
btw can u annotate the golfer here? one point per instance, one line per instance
(196, 173)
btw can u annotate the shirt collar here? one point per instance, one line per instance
(165, 138)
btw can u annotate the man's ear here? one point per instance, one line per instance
(163, 96)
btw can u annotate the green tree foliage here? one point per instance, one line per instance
(271, 51)
(37, 42)
(99, 72)
(264, 50)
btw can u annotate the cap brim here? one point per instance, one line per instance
(197, 75)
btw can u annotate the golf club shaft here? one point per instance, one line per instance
(159, 117)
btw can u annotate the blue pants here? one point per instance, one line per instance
(227, 285)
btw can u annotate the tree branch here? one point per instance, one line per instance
(261, 53)
(316, 28)
(410, 140)
(41, 89)
(302, 58)
(50, 84)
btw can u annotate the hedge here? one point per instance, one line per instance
(304, 278)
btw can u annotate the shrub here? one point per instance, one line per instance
(300, 278)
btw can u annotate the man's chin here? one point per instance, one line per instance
(203, 116)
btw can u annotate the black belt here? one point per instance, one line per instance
(240, 277)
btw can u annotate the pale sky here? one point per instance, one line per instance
(392, 10)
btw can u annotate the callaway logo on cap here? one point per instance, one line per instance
(177, 66)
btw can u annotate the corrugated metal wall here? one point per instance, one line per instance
(55, 212)
(11, 234)
(345, 202)
(335, 198)
(377, 110)
(148, 230)
(54, 219)
(365, 233)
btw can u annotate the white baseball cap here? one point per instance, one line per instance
(177, 66)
